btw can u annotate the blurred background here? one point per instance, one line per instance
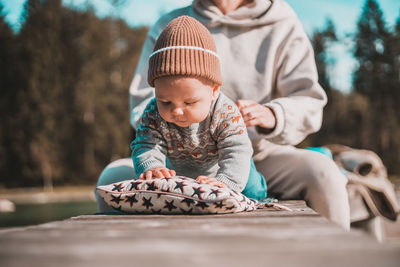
(66, 67)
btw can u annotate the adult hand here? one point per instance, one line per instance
(157, 173)
(210, 180)
(255, 114)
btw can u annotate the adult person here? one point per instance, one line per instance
(269, 70)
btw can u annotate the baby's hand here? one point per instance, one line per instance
(157, 173)
(210, 180)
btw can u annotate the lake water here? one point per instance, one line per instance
(31, 214)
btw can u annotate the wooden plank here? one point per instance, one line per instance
(260, 238)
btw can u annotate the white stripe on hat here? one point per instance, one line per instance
(184, 47)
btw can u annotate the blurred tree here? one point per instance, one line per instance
(375, 79)
(43, 53)
(396, 66)
(9, 158)
(343, 112)
(67, 114)
(321, 41)
(392, 79)
(108, 59)
(370, 48)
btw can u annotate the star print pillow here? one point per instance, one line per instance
(176, 195)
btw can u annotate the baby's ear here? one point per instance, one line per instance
(215, 91)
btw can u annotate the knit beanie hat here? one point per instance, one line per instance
(185, 47)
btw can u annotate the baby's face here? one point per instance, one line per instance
(184, 100)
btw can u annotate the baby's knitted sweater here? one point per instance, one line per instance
(218, 146)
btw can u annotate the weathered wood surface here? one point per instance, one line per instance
(260, 238)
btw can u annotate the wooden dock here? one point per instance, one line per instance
(260, 238)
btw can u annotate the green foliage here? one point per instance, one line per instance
(67, 114)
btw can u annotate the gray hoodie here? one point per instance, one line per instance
(265, 56)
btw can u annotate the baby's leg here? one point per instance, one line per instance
(256, 186)
(114, 172)
(293, 173)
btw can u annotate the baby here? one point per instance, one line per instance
(191, 128)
